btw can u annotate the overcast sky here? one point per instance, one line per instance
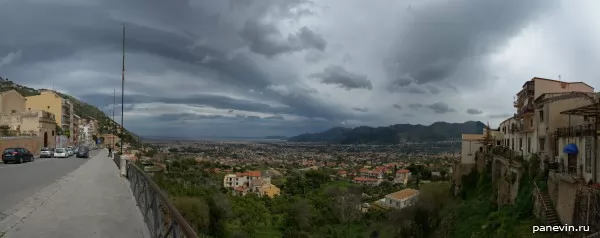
(284, 67)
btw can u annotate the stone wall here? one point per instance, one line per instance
(33, 144)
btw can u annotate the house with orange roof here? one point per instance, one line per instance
(401, 199)
(402, 176)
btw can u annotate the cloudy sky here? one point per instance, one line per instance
(283, 67)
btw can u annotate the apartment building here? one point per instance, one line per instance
(75, 131)
(50, 101)
(520, 131)
(21, 121)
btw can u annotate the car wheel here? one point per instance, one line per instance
(5, 162)
(21, 160)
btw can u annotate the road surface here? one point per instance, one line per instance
(20, 181)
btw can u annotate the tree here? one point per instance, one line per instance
(5, 130)
(488, 140)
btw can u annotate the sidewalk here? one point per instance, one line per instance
(92, 201)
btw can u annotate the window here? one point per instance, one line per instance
(542, 143)
(529, 144)
(520, 144)
(541, 115)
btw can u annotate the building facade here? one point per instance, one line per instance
(22, 122)
(520, 132)
(52, 102)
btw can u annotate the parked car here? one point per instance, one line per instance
(61, 153)
(70, 150)
(17, 155)
(46, 152)
(83, 152)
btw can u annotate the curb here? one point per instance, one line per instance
(17, 213)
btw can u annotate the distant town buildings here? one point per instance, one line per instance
(250, 182)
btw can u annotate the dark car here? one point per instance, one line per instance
(83, 152)
(17, 155)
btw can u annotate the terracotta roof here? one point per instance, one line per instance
(249, 174)
(404, 193)
(363, 179)
(241, 189)
(341, 172)
(403, 171)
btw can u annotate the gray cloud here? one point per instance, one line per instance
(337, 75)
(500, 116)
(440, 108)
(249, 58)
(424, 58)
(415, 106)
(474, 111)
(397, 106)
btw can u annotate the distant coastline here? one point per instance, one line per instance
(211, 138)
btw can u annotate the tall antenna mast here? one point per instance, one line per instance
(113, 115)
(122, 91)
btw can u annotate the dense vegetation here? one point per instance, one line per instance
(84, 110)
(439, 131)
(311, 205)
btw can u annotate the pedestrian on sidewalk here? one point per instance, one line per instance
(109, 151)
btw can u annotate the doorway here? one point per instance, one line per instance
(45, 139)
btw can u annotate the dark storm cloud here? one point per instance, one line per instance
(397, 106)
(337, 75)
(70, 29)
(408, 115)
(474, 111)
(266, 39)
(440, 108)
(443, 35)
(361, 109)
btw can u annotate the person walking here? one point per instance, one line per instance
(109, 151)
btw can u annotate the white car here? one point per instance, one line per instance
(61, 153)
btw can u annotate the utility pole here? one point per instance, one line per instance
(122, 91)
(113, 116)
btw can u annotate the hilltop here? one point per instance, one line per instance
(81, 108)
(439, 131)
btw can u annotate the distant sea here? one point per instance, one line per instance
(208, 138)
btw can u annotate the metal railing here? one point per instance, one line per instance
(117, 159)
(577, 131)
(161, 216)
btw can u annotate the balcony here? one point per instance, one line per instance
(577, 131)
(525, 110)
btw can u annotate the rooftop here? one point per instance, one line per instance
(404, 194)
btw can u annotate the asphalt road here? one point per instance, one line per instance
(20, 181)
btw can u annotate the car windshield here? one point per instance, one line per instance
(60, 151)
(45, 149)
(10, 150)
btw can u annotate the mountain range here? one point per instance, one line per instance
(439, 131)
